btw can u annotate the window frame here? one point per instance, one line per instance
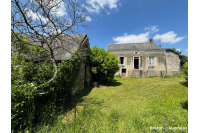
(139, 62)
(126, 71)
(154, 58)
(120, 60)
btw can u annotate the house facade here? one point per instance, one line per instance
(145, 59)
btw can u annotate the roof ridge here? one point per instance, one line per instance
(129, 43)
(133, 46)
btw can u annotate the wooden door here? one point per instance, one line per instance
(123, 72)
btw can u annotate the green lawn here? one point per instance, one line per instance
(130, 105)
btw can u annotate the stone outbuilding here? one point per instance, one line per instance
(145, 59)
(80, 43)
(64, 46)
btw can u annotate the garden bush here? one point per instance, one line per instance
(103, 65)
(185, 68)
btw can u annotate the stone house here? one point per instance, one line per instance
(145, 59)
(63, 47)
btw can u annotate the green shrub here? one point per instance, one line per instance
(185, 68)
(32, 100)
(103, 65)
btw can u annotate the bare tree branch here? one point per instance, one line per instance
(41, 22)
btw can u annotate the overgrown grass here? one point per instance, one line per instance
(130, 105)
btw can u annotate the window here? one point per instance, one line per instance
(136, 52)
(152, 61)
(121, 60)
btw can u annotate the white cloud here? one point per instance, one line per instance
(57, 7)
(60, 9)
(34, 15)
(152, 28)
(97, 5)
(169, 37)
(87, 18)
(143, 37)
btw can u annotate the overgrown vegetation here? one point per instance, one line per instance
(134, 105)
(185, 68)
(103, 65)
(182, 57)
(33, 100)
(176, 51)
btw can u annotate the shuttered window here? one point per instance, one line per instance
(152, 61)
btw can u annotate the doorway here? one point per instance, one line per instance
(123, 72)
(136, 63)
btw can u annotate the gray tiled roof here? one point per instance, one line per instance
(64, 45)
(133, 46)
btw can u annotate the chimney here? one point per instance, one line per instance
(151, 40)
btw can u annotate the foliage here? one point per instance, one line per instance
(183, 59)
(118, 75)
(185, 68)
(103, 65)
(32, 96)
(31, 102)
(21, 49)
(177, 51)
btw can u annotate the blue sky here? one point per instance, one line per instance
(132, 21)
(127, 21)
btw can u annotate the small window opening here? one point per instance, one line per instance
(136, 52)
(121, 60)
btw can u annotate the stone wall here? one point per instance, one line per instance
(80, 81)
(84, 75)
(173, 63)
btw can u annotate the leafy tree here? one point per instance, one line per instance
(177, 51)
(185, 68)
(103, 65)
(183, 59)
